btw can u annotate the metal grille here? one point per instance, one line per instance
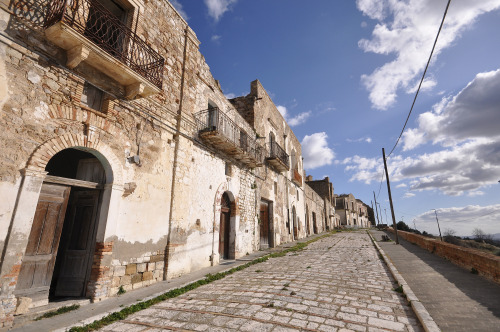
(99, 25)
(276, 151)
(213, 119)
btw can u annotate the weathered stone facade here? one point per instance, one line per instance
(324, 188)
(353, 212)
(280, 181)
(117, 172)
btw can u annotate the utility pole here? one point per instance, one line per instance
(375, 198)
(390, 197)
(373, 212)
(385, 210)
(435, 211)
(414, 224)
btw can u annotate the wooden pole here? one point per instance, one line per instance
(376, 209)
(390, 197)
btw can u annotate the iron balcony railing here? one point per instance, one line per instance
(277, 152)
(92, 20)
(213, 120)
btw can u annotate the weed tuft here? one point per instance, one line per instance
(399, 289)
(58, 311)
(121, 290)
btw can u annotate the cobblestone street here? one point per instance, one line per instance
(336, 284)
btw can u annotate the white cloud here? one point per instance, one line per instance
(402, 185)
(178, 6)
(364, 24)
(465, 130)
(230, 95)
(296, 120)
(215, 38)
(461, 219)
(315, 151)
(362, 139)
(408, 195)
(407, 29)
(217, 8)
(299, 119)
(282, 110)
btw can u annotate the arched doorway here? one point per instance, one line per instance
(315, 224)
(61, 244)
(225, 226)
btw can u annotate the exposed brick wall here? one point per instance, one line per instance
(487, 265)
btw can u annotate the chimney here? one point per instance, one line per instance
(309, 178)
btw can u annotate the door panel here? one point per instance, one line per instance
(264, 224)
(78, 243)
(43, 242)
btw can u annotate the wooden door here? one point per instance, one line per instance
(38, 262)
(294, 221)
(308, 226)
(224, 233)
(264, 224)
(78, 243)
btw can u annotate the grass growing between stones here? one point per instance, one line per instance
(58, 311)
(124, 313)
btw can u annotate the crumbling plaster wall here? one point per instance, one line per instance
(40, 102)
(259, 109)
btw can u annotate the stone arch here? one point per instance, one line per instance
(89, 143)
(223, 189)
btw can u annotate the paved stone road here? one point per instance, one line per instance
(337, 284)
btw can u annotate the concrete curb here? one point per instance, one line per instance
(423, 315)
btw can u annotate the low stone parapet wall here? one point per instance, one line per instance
(487, 265)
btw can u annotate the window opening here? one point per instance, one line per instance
(92, 97)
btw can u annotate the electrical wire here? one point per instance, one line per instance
(422, 79)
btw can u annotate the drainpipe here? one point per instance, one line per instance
(176, 152)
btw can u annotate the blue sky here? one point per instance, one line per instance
(344, 75)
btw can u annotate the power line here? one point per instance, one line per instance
(422, 79)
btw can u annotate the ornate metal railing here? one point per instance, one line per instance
(276, 151)
(214, 120)
(92, 20)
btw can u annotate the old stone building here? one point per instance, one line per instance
(123, 162)
(324, 188)
(280, 181)
(353, 212)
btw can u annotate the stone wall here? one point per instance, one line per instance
(488, 265)
(276, 187)
(145, 232)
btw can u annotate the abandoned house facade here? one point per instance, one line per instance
(324, 188)
(353, 212)
(124, 163)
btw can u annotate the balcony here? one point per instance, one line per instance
(91, 33)
(218, 130)
(297, 178)
(278, 158)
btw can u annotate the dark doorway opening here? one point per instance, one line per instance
(61, 244)
(225, 226)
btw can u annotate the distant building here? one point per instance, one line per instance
(353, 212)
